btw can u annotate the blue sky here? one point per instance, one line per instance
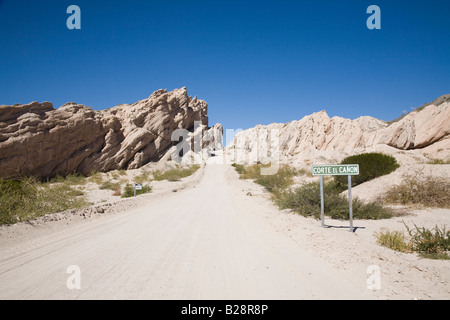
(254, 62)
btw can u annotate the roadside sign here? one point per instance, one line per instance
(336, 170)
(138, 186)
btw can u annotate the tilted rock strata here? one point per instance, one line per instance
(38, 140)
(418, 136)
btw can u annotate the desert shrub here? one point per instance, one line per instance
(421, 190)
(371, 166)
(371, 210)
(281, 180)
(239, 168)
(248, 172)
(175, 174)
(70, 179)
(428, 243)
(304, 172)
(278, 181)
(25, 199)
(305, 200)
(14, 198)
(129, 190)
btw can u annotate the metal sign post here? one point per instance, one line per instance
(322, 203)
(336, 170)
(350, 202)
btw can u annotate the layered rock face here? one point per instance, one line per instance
(419, 136)
(38, 140)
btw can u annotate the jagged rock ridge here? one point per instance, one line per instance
(38, 140)
(419, 136)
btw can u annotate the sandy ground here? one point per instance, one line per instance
(216, 237)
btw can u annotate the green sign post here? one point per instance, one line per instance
(336, 170)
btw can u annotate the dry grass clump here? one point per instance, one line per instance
(277, 182)
(175, 174)
(421, 190)
(28, 198)
(438, 161)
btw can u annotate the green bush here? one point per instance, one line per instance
(305, 200)
(371, 166)
(129, 191)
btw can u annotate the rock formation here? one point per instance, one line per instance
(421, 135)
(38, 140)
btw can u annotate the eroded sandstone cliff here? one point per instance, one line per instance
(38, 140)
(421, 135)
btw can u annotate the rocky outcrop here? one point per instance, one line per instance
(419, 136)
(38, 140)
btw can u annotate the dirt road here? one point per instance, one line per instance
(206, 242)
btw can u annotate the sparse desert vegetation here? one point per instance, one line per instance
(28, 198)
(438, 161)
(415, 190)
(175, 174)
(420, 190)
(428, 243)
(273, 183)
(305, 199)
